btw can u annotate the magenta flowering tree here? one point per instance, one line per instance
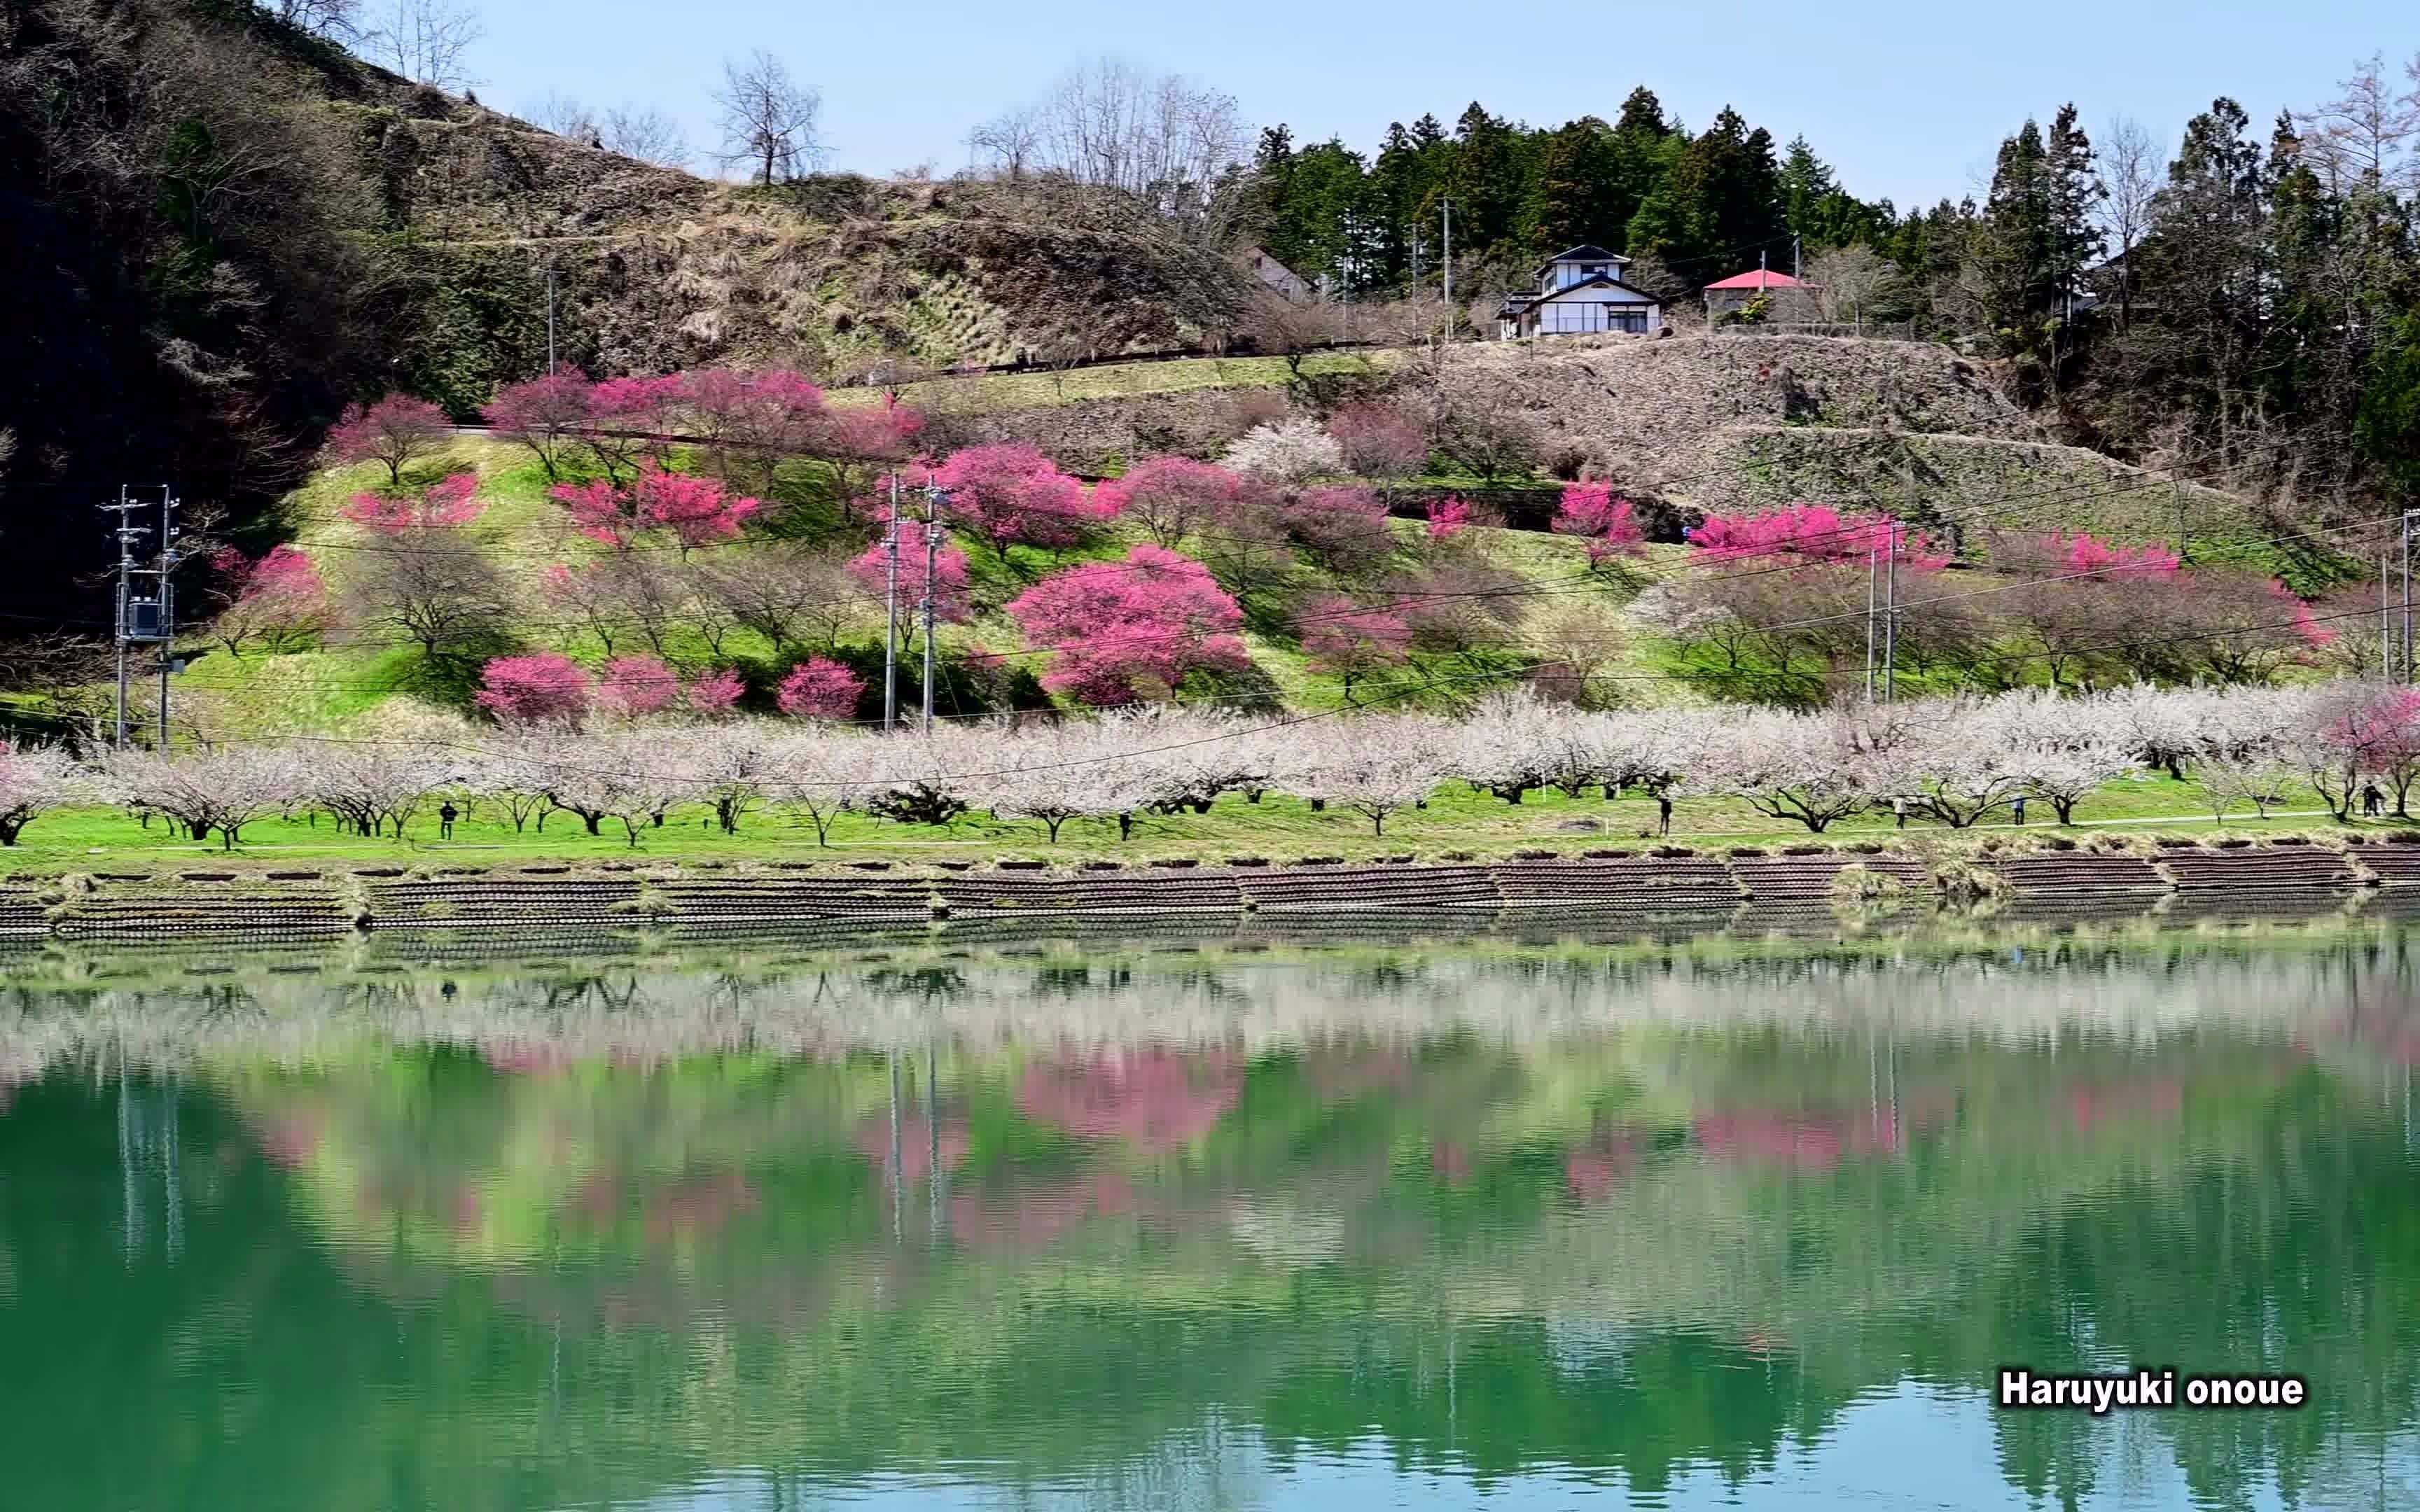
(1349, 642)
(1812, 532)
(445, 504)
(1448, 519)
(714, 695)
(2089, 557)
(870, 572)
(1009, 494)
(278, 602)
(630, 420)
(697, 511)
(635, 685)
(1170, 496)
(395, 432)
(537, 688)
(545, 414)
(1608, 523)
(1121, 630)
(820, 689)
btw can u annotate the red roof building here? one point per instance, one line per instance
(1740, 290)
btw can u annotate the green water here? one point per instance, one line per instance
(1655, 1227)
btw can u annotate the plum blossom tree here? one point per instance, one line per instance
(1118, 628)
(1170, 496)
(373, 787)
(279, 602)
(714, 695)
(547, 414)
(1380, 442)
(1608, 524)
(826, 773)
(1351, 643)
(696, 511)
(395, 432)
(952, 604)
(1448, 519)
(820, 689)
(216, 791)
(1344, 530)
(634, 686)
(1374, 765)
(1814, 770)
(1811, 533)
(1286, 452)
(448, 503)
(1007, 493)
(542, 687)
(34, 779)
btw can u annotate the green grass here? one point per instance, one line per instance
(1277, 828)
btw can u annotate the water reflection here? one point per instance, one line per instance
(1687, 1224)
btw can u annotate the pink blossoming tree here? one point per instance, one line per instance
(1170, 496)
(635, 685)
(1120, 629)
(820, 689)
(547, 414)
(449, 503)
(1347, 642)
(279, 602)
(1009, 494)
(1608, 523)
(540, 687)
(1811, 533)
(395, 432)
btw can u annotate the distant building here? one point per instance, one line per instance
(1277, 276)
(1580, 290)
(1740, 290)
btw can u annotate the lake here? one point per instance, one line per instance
(1744, 1223)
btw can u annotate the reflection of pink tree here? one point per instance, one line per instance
(1156, 1099)
(1815, 1143)
(1592, 1170)
(1032, 1218)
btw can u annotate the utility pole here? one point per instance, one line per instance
(934, 530)
(1797, 258)
(549, 319)
(1447, 206)
(2385, 637)
(1873, 571)
(891, 612)
(2407, 593)
(169, 557)
(128, 533)
(1890, 617)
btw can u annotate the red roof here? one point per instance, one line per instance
(1758, 278)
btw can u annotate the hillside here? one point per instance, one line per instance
(223, 229)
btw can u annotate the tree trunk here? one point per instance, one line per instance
(592, 821)
(1126, 827)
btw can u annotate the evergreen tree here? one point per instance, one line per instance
(1576, 197)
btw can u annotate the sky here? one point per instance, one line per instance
(1908, 100)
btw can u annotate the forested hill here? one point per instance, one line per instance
(1691, 207)
(222, 228)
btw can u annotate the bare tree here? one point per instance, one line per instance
(432, 586)
(326, 18)
(2362, 138)
(768, 119)
(1848, 281)
(639, 131)
(1108, 124)
(567, 118)
(647, 134)
(428, 41)
(2131, 170)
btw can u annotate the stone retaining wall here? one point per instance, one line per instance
(1684, 889)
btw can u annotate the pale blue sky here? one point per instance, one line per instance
(1906, 100)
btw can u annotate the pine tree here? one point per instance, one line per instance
(1575, 198)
